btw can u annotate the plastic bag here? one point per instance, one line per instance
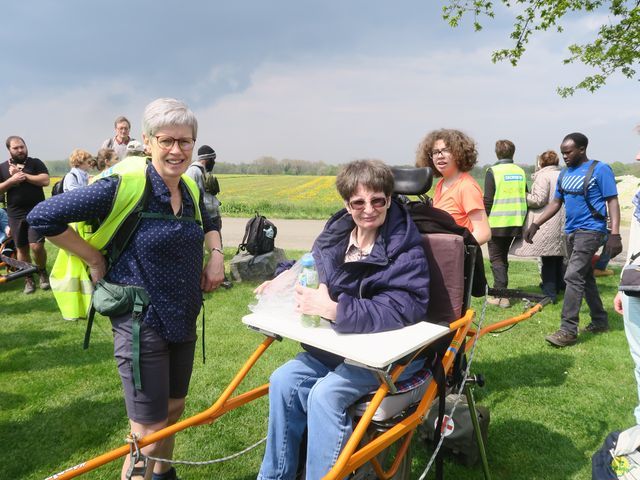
(278, 297)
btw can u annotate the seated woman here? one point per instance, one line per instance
(374, 277)
(451, 154)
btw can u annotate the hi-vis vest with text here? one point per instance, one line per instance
(510, 200)
(70, 280)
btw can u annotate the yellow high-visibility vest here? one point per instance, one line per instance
(510, 200)
(70, 280)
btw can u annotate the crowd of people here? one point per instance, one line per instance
(372, 267)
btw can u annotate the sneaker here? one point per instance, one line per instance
(504, 303)
(43, 280)
(499, 302)
(168, 475)
(602, 273)
(29, 286)
(591, 328)
(493, 301)
(561, 339)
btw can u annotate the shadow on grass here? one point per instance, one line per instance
(516, 450)
(544, 369)
(9, 401)
(33, 350)
(46, 443)
(19, 304)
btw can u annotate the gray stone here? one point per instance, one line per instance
(246, 267)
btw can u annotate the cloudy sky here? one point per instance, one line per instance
(329, 80)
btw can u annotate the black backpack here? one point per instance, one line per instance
(58, 187)
(259, 236)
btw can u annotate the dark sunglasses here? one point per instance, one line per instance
(378, 202)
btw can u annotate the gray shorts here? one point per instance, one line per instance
(165, 370)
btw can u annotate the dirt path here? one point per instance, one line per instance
(292, 234)
(300, 234)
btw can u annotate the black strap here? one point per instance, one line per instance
(633, 257)
(585, 188)
(247, 229)
(136, 320)
(167, 216)
(87, 332)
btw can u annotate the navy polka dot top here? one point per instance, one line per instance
(164, 256)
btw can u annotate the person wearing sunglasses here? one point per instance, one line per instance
(153, 347)
(373, 277)
(451, 154)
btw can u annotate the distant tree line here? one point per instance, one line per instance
(273, 166)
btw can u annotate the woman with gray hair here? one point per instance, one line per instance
(160, 265)
(373, 277)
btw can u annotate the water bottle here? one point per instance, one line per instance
(309, 278)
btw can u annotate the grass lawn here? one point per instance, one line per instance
(60, 405)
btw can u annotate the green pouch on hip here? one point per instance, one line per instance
(112, 300)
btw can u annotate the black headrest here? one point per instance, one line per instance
(412, 181)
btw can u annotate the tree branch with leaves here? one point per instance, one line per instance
(615, 48)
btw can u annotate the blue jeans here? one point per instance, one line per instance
(631, 309)
(305, 394)
(581, 246)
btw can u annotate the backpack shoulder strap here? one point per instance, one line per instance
(585, 188)
(118, 243)
(559, 181)
(130, 224)
(247, 229)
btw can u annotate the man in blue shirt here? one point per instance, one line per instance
(586, 226)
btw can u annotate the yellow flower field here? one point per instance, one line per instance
(281, 196)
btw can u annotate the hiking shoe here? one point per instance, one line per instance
(499, 302)
(43, 280)
(595, 329)
(493, 301)
(561, 339)
(168, 475)
(602, 273)
(504, 303)
(29, 286)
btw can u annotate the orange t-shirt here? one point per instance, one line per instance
(460, 199)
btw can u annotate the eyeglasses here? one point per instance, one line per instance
(378, 202)
(437, 153)
(167, 143)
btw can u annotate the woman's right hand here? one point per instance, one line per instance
(97, 268)
(617, 303)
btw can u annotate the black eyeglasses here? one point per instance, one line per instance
(378, 202)
(167, 143)
(437, 153)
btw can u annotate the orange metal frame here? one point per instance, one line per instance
(353, 455)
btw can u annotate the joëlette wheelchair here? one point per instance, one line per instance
(380, 446)
(10, 267)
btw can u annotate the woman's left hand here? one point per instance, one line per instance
(315, 301)
(213, 273)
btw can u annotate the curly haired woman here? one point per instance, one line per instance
(451, 154)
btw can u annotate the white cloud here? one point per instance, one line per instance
(381, 107)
